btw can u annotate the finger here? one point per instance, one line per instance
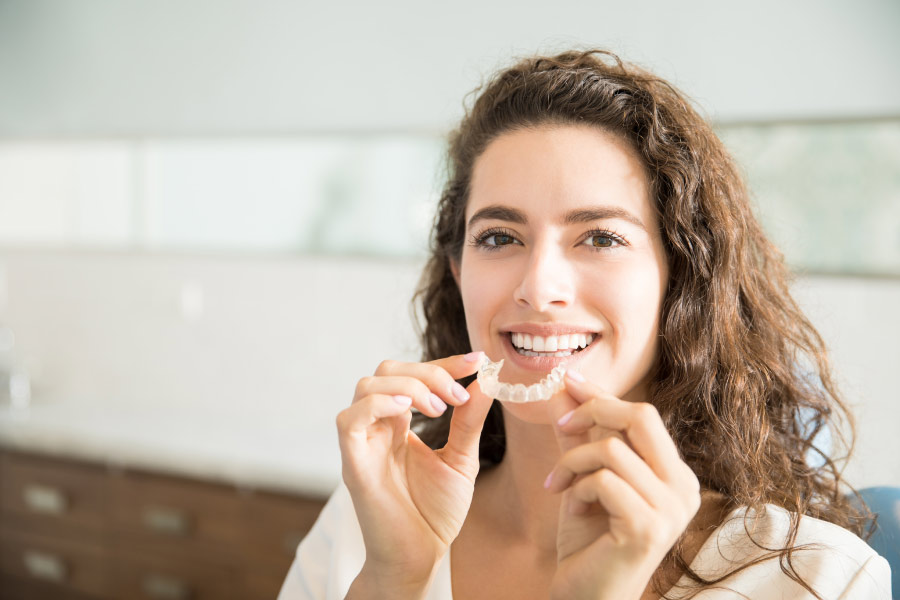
(460, 365)
(353, 423)
(424, 400)
(610, 491)
(561, 404)
(438, 375)
(610, 453)
(466, 425)
(639, 421)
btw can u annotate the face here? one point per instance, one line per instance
(563, 247)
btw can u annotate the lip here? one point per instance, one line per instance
(543, 364)
(545, 329)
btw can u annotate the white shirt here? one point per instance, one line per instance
(841, 566)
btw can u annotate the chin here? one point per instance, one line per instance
(535, 413)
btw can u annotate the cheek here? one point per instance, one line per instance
(482, 295)
(629, 298)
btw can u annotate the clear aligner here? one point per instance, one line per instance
(489, 372)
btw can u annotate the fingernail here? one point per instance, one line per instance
(438, 404)
(548, 480)
(565, 418)
(403, 400)
(459, 392)
(472, 356)
(575, 376)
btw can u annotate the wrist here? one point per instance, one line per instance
(395, 583)
(616, 581)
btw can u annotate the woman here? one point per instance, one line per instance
(588, 205)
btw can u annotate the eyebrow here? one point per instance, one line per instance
(573, 217)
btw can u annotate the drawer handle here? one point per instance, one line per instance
(41, 565)
(161, 587)
(167, 521)
(44, 499)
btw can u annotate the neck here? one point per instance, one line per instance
(527, 513)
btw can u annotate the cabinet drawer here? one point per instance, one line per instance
(262, 584)
(66, 567)
(275, 525)
(54, 495)
(168, 515)
(155, 578)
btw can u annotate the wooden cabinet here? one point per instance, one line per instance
(76, 530)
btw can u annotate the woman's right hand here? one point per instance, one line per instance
(410, 500)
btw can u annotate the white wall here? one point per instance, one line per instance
(130, 67)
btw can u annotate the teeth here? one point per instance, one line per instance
(530, 353)
(552, 345)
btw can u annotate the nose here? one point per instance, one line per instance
(548, 282)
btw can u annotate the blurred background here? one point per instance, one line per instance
(213, 216)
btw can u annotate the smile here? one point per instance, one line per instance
(552, 345)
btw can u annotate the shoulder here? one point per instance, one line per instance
(832, 560)
(771, 527)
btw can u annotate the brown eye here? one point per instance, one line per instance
(494, 239)
(601, 241)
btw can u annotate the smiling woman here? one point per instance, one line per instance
(592, 218)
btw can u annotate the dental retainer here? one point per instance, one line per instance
(488, 380)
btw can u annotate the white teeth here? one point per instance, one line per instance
(572, 341)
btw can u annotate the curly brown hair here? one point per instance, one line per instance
(742, 380)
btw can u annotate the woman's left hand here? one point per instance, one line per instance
(628, 495)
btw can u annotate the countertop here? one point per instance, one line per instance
(281, 451)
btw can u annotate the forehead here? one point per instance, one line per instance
(547, 171)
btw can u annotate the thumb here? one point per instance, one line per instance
(466, 424)
(460, 365)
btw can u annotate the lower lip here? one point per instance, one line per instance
(543, 364)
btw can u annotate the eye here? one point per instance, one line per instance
(493, 239)
(600, 239)
(500, 239)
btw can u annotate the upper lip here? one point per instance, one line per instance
(547, 329)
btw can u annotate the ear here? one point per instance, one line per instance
(454, 268)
